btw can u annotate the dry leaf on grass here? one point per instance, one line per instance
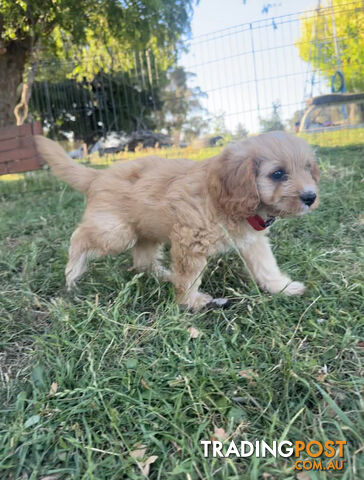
(194, 333)
(144, 383)
(360, 344)
(219, 434)
(144, 465)
(303, 476)
(176, 446)
(248, 374)
(139, 452)
(322, 373)
(53, 389)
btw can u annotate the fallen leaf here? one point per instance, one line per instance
(303, 476)
(139, 452)
(144, 383)
(194, 333)
(37, 303)
(248, 374)
(360, 344)
(146, 465)
(323, 371)
(219, 434)
(54, 388)
(176, 446)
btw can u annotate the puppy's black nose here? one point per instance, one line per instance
(308, 198)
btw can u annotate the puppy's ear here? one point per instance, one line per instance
(232, 184)
(315, 172)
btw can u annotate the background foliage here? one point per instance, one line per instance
(317, 44)
(87, 37)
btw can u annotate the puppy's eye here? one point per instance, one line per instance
(279, 175)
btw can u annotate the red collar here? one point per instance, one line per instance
(258, 223)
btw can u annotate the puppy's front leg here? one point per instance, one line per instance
(190, 248)
(186, 277)
(263, 266)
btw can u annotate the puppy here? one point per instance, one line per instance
(199, 208)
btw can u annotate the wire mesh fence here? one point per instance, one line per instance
(278, 64)
(256, 76)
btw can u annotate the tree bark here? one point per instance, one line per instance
(12, 62)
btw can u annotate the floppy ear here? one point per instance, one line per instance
(232, 184)
(315, 172)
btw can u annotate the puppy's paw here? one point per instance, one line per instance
(163, 274)
(70, 284)
(294, 288)
(218, 303)
(197, 303)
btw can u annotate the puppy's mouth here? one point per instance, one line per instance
(298, 209)
(305, 209)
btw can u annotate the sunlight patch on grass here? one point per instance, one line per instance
(335, 138)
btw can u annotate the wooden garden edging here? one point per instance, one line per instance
(17, 149)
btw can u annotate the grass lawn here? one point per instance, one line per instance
(90, 377)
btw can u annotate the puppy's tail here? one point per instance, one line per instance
(76, 175)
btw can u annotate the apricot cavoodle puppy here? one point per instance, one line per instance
(199, 208)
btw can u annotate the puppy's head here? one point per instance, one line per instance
(275, 172)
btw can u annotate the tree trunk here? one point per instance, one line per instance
(176, 136)
(12, 63)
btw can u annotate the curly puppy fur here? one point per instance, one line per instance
(199, 208)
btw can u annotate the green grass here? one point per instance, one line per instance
(336, 138)
(128, 373)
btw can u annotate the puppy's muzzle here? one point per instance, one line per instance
(308, 198)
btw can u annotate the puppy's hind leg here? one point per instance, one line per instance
(92, 239)
(147, 257)
(96, 239)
